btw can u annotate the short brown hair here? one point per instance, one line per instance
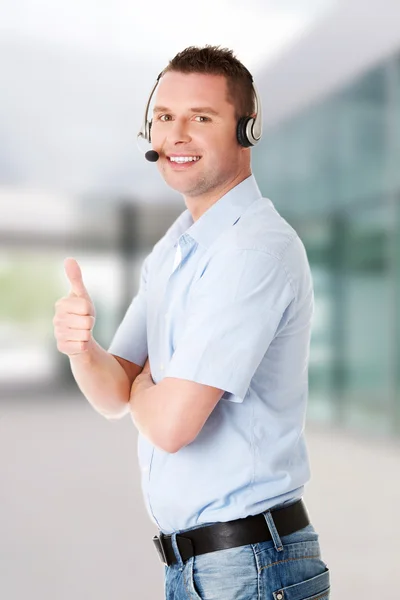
(214, 60)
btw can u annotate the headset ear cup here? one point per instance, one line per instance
(241, 132)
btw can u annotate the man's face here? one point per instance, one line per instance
(192, 118)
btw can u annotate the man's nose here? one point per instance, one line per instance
(179, 131)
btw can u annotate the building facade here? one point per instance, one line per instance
(331, 165)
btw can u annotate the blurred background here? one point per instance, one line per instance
(75, 78)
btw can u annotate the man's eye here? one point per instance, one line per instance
(164, 117)
(202, 119)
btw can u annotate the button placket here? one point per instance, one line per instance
(184, 247)
(178, 257)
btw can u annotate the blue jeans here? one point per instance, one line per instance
(286, 568)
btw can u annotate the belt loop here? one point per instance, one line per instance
(176, 551)
(273, 531)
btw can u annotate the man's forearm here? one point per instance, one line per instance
(148, 409)
(102, 380)
(141, 410)
(153, 413)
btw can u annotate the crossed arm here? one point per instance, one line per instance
(171, 413)
(235, 310)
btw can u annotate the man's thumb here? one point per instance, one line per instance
(74, 274)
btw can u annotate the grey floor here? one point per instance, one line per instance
(73, 524)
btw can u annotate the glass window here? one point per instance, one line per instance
(361, 152)
(368, 317)
(333, 172)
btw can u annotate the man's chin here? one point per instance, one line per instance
(185, 188)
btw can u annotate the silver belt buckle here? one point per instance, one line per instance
(157, 540)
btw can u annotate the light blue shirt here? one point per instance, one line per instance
(226, 301)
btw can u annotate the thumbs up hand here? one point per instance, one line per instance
(74, 274)
(74, 314)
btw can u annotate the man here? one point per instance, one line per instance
(224, 314)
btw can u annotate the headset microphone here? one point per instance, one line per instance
(152, 156)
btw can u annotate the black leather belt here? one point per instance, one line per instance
(231, 534)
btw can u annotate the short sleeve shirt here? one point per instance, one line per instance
(226, 301)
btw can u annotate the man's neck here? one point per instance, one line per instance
(198, 205)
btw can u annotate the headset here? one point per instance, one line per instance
(248, 130)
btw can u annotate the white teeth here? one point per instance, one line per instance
(183, 159)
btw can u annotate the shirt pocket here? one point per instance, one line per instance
(316, 588)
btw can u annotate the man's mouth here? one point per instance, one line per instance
(183, 159)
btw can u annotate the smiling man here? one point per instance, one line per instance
(194, 130)
(211, 358)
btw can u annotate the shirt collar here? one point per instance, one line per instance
(224, 213)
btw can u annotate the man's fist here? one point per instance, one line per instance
(74, 314)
